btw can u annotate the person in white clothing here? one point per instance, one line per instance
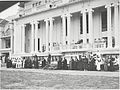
(98, 63)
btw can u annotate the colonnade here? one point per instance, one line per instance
(116, 24)
(66, 24)
(66, 34)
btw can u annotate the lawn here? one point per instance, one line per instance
(37, 80)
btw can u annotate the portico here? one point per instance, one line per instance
(61, 32)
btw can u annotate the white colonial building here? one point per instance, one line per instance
(67, 27)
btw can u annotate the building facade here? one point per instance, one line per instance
(6, 37)
(67, 27)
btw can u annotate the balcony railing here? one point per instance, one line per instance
(71, 47)
(76, 46)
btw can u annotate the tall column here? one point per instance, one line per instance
(90, 24)
(51, 31)
(68, 27)
(23, 38)
(36, 37)
(32, 37)
(47, 36)
(64, 28)
(84, 27)
(109, 26)
(40, 42)
(116, 27)
(15, 36)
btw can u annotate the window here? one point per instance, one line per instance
(81, 27)
(87, 40)
(104, 21)
(38, 44)
(7, 43)
(87, 23)
(39, 26)
(66, 26)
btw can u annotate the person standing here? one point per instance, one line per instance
(59, 63)
(111, 67)
(98, 64)
(85, 63)
(76, 63)
(71, 63)
(106, 64)
(36, 62)
(43, 62)
(30, 62)
(64, 64)
(23, 62)
(9, 62)
(92, 64)
(49, 59)
(80, 64)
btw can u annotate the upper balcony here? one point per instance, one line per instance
(72, 47)
(80, 47)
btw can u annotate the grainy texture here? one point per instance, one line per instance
(37, 80)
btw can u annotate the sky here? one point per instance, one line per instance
(10, 11)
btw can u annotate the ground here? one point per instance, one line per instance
(57, 79)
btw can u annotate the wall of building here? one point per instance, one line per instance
(75, 21)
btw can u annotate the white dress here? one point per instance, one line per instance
(98, 63)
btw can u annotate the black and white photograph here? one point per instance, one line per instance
(59, 44)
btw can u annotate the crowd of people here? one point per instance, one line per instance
(83, 63)
(95, 63)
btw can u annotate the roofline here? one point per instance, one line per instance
(63, 5)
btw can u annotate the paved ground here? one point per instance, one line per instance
(57, 79)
